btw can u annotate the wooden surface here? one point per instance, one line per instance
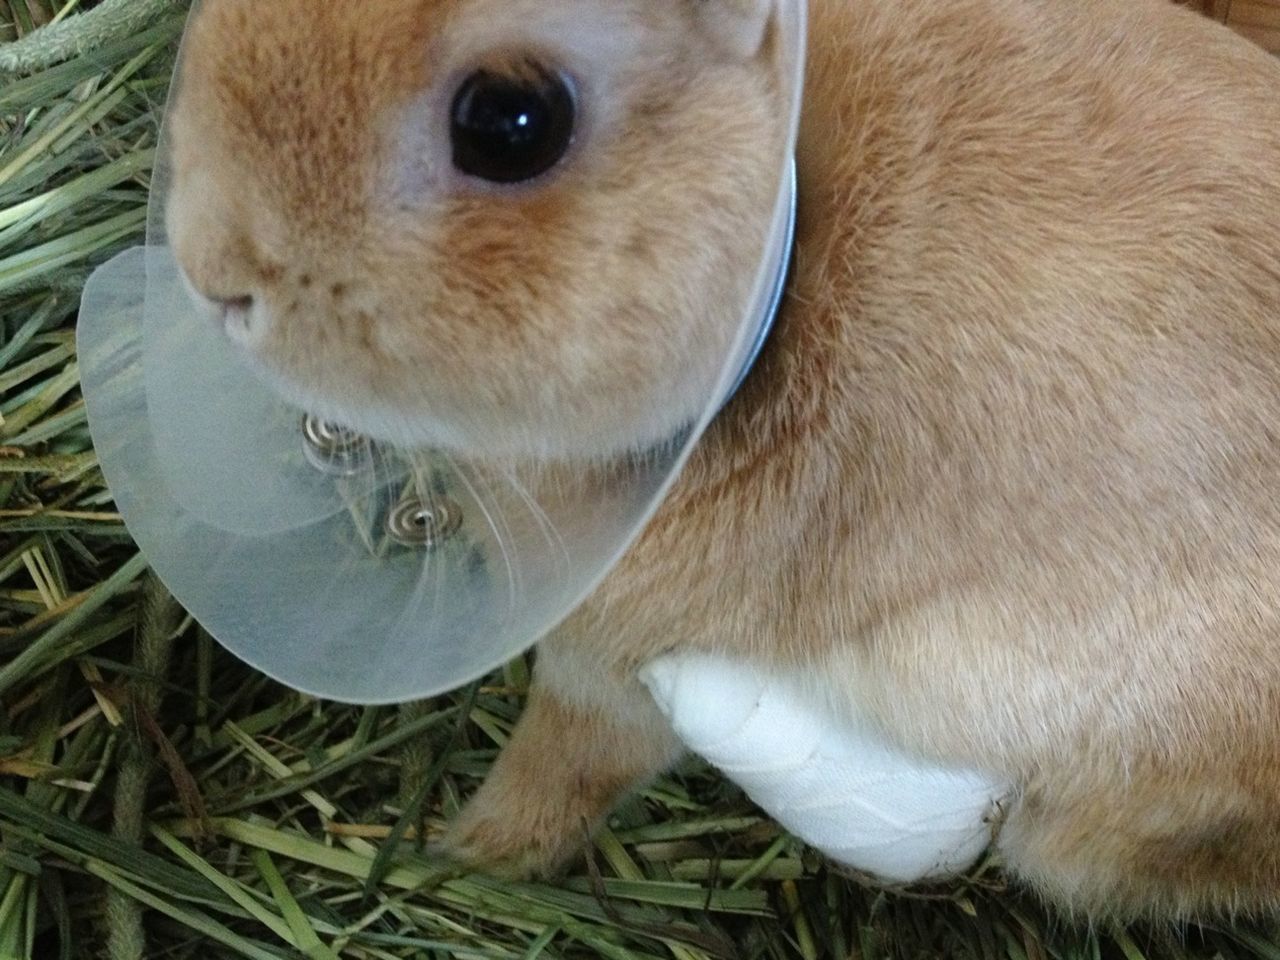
(1257, 19)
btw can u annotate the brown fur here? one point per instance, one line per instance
(316, 142)
(1005, 481)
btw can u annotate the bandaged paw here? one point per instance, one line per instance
(838, 786)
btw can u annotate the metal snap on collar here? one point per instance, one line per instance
(423, 522)
(333, 449)
(417, 520)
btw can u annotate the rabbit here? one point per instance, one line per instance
(1002, 485)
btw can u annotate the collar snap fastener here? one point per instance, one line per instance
(424, 521)
(333, 449)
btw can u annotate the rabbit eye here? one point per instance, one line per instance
(508, 129)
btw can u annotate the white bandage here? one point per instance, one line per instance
(836, 786)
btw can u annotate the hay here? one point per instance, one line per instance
(159, 799)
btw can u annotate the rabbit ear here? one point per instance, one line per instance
(737, 26)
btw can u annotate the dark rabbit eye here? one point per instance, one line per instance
(507, 129)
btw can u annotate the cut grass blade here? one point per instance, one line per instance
(304, 935)
(386, 853)
(194, 919)
(41, 654)
(235, 891)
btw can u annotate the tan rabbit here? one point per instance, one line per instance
(1006, 479)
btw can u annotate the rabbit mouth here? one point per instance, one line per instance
(424, 410)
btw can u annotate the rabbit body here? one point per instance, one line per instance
(1005, 480)
(1003, 484)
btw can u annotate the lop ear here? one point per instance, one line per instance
(736, 26)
